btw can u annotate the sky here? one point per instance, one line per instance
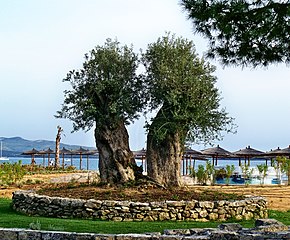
(41, 41)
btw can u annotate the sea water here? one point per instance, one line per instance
(90, 163)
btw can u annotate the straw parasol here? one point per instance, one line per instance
(81, 151)
(189, 155)
(32, 153)
(140, 154)
(63, 152)
(44, 152)
(285, 151)
(279, 152)
(216, 152)
(248, 153)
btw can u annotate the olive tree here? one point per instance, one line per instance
(106, 93)
(244, 32)
(180, 87)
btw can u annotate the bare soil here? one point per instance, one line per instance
(62, 185)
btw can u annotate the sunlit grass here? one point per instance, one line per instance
(11, 219)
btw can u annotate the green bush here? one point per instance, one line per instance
(11, 173)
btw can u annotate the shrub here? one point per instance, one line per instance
(11, 173)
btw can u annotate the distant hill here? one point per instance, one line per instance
(14, 146)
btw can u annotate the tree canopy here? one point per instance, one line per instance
(106, 90)
(243, 32)
(181, 87)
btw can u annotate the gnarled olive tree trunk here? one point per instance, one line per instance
(163, 160)
(116, 160)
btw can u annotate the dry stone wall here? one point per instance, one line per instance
(265, 229)
(31, 203)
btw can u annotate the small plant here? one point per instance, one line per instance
(263, 169)
(35, 225)
(51, 227)
(220, 173)
(278, 165)
(29, 181)
(285, 166)
(229, 172)
(210, 172)
(201, 175)
(247, 173)
(175, 197)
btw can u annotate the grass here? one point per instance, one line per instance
(11, 219)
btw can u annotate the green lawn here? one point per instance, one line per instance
(11, 219)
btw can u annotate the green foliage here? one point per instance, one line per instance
(246, 32)
(11, 173)
(35, 225)
(220, 173)
(263, 169)
(247, 173)
(229, 172)
(181, 87)
(210, 172)
(203, 173)
(106, 90)
(278, 166)
(284, 163)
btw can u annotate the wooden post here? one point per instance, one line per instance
(88, 162)
(81, 159)
(186, 169)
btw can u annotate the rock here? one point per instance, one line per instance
(230, 227)
(206, 204)
(269, 225)
(185, 232)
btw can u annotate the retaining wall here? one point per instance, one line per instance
(30, 203)
(265, 229)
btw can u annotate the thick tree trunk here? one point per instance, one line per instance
(163, 160)
(116, 160)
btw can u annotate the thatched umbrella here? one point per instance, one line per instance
(48, 151)
(280, 152)
(248, 153)
(90, 153)
(141, 154)
(80, 151)
(32, 153)
(273, 153)
(63, 152)
(216, 152)
(189, 155)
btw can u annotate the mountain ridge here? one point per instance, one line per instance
(14, 146)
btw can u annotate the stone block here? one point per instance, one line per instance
(206, 204)
(7, 234)
(177, 232)
(27, 235)
(232, 227)
(203, 213)
(132, 237)
(104, 237)
(94, 204)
